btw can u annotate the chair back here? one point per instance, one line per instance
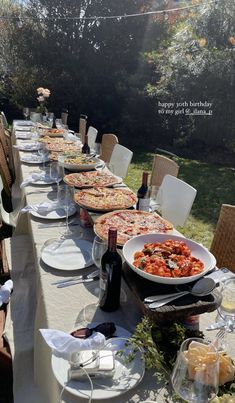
(223, 243)
(5, 171)
(5, 122)
(175, 199)
(9, 218)
(64, 117)
(120, 160)
(107, 144)
(162, 166)
(82, 128)
(92, 134)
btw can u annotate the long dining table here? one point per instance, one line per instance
(38, 304)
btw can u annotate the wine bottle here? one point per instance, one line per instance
(86, 148)
(54, 124)
(143, 194)
(110, 275)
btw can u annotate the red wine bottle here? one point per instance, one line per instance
(143, 194)
(86, 148)
(110, 275)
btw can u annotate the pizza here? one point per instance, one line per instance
(63, 147)
(105, 199)
(91, 179)
(130, 223)
(53, 132)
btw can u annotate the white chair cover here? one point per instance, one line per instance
(175, 199)
(120, 160)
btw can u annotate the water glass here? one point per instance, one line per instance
(195, 376)
(58, 123)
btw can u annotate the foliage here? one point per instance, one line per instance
(197, 64)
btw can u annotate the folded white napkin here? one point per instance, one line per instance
(5, 292)
(41, 208)
(42, 176)
(70, 136)
(64, 344)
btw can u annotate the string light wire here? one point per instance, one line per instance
(111, 17)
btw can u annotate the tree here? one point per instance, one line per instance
(197, 64)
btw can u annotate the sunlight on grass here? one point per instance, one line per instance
(215, 185)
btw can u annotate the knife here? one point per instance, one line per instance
(81, 277)
(85, 280)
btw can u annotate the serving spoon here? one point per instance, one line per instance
(202, 287)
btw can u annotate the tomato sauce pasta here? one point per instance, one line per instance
(168, 259)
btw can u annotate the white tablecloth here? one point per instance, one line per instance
(36, 303)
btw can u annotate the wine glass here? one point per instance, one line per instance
(65, 198)
(26, 113)
(50, 118)
(153, 197)
(56, 173)
(195, 376)
(99, 247)
(226, 312)
(43, 153)
(58, 123)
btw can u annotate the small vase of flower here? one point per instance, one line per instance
(43, 95)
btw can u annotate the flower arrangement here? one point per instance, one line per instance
(43, 95)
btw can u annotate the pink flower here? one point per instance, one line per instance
(41, 98)
(40, 90)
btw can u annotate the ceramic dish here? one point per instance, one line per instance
(33, 159)
(136, 244)
(56, 214)
(80, 162)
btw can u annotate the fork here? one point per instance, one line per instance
(218, 342)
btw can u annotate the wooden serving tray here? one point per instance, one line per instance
(177, 310)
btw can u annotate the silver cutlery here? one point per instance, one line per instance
(85, 280)
(81, 277)
(202, 287)
(60, 224)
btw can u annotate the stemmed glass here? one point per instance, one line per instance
(43, 153)
(50, 118)
(98, 248)
(195, 376)
(26, 113)
(56, 173)
(65, 198)
(226, 312)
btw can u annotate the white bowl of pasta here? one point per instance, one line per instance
(167, 259)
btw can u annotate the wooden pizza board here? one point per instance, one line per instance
(177, 310)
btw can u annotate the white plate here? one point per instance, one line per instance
(23, 135)
(26, 158)
(29, 146)
(67, 254)
(46, 181)
(79, 167)
(54, 214)
(126, 376)
(137, 244)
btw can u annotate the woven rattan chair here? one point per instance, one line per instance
(162, 166)
(5, 139)
(223, 244)
(107, 145)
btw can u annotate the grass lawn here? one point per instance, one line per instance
(215, 185)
